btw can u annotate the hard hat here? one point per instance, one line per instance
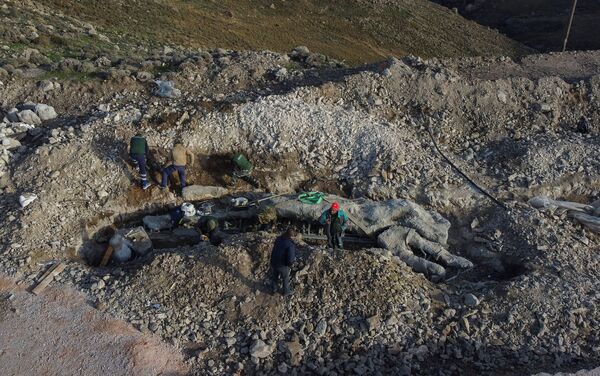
(335, 206)
(188, 209)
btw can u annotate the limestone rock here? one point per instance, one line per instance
(199, 192)
(260, 349)
(29, 117)
(471, 300)
(45, 112)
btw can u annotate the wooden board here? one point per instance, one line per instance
(107, 254)
(48, 277)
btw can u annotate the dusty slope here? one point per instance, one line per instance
(354, 31)
(57, 333)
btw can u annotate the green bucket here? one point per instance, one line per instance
(311, 198)
(242, 162)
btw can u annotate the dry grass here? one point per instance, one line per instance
(346, 30)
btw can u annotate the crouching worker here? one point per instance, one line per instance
(283, 257)
(179, 160)
(242, 169)
(184, 216)
(209, 227)
(138, 150)
(335, 221)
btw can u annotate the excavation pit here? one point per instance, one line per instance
(404, 229)
(163, 233)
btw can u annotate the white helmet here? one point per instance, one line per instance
(188, 209)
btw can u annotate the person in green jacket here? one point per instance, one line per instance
(243, 170)
(138, 149)
(335, 221)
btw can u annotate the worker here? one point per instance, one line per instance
(335, 221)
(179, 160)
(138, 150)
(283, 257)
(243, 169)
(209, 227)
(184, 215)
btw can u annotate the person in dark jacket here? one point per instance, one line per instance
(138, 149)
(283, 257)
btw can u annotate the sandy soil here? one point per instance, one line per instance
(57, 333)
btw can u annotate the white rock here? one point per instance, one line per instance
(27, 198)
(260, 349)
(471, 300)
(29, 117)
(198, 192)
(45, 112)
(10, 143)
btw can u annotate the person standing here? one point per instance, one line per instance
(283, 257)
(179, 161)
(335, 221)
(138, 150)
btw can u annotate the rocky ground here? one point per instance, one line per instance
(528, 305)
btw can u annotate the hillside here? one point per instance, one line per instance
(354, 31)
(540, 24)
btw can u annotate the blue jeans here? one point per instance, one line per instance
(171, 169)
(283, 273)
(139, 161)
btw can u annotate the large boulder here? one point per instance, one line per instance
(29, 117)
(45, 112)
(199, 192)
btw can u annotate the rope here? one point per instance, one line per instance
(501, 204)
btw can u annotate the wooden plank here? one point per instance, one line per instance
(48, 271)
(107, 254)
(48, 277)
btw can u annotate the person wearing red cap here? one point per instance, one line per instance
(335, 221)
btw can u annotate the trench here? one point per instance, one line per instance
(230, 222)
(234, 221)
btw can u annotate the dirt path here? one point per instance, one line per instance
(57, 333)
(570, 66)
